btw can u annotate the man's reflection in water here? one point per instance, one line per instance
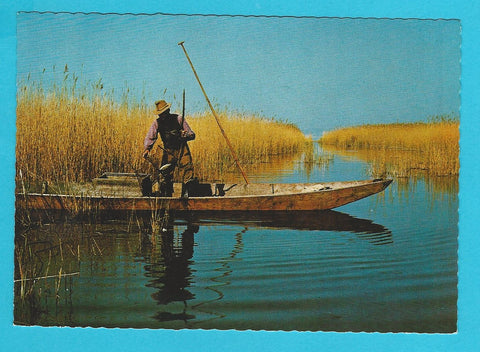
(168, 266)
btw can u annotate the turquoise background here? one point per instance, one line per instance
(81, 339)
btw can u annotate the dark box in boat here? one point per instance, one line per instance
(195, 189)
(146, 185)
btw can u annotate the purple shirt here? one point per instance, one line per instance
(152, 134)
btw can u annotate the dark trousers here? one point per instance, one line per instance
(182, 171)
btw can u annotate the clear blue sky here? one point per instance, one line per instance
(319, 73)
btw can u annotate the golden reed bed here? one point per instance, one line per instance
(402, 149)
(72, 134)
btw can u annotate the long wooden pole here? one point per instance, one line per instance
(183, 109)
(215, 115)
(182, 143)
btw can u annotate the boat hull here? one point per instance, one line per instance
(298, 197)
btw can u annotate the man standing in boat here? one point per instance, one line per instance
(174, 132)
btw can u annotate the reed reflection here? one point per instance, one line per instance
(408, 167)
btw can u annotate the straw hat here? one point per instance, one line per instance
(161, 106)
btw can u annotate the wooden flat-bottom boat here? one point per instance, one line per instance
(123, 192)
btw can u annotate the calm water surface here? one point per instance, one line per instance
(387, 263)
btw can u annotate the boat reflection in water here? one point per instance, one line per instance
(169, 256)
(323, 220)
